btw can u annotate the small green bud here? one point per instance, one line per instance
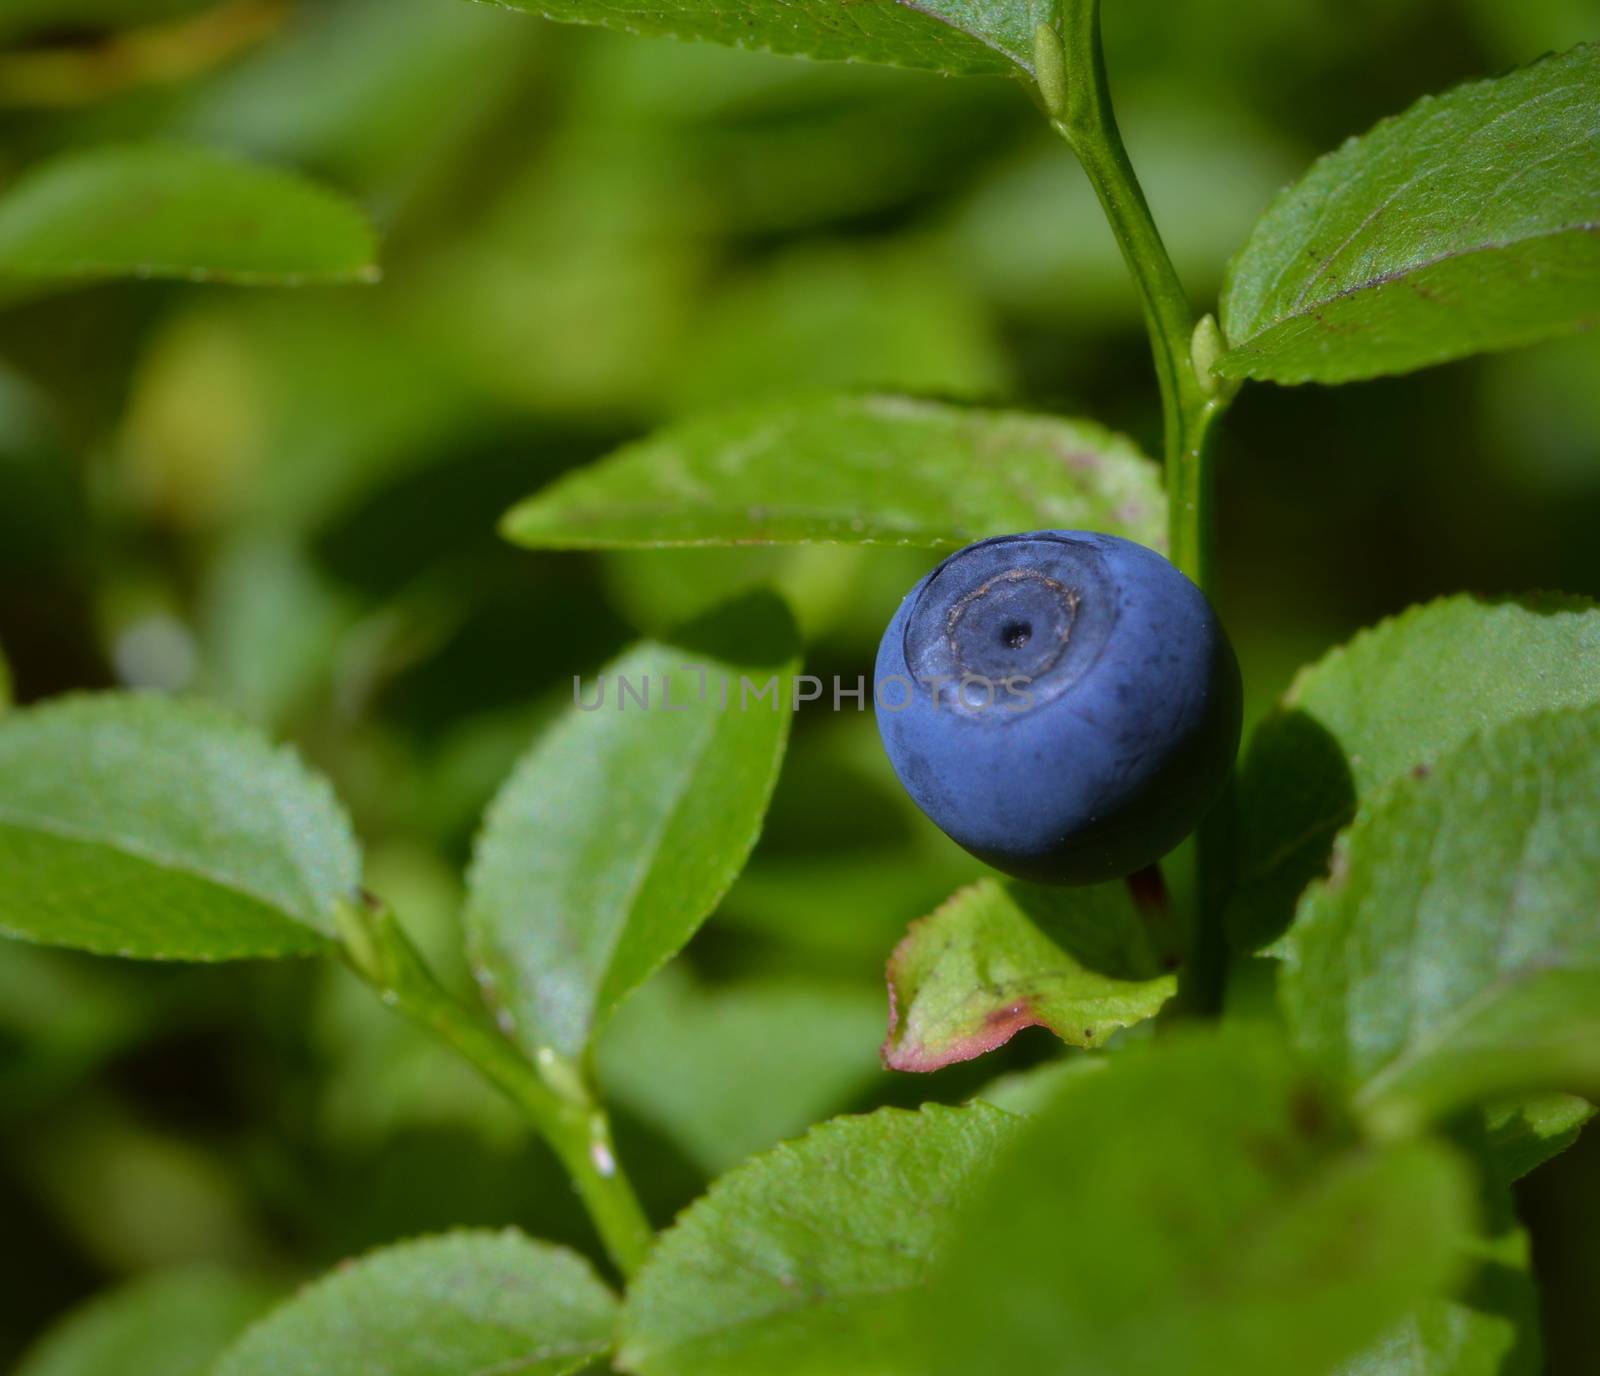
(1206, 346)
(358, 922)
(1050, 70)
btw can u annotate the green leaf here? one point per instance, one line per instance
(696, 1061)
(1396, 698)
(998, 957)
(137, 825)
(1523, 1134)
(623, 826)
(1490, 1329)
(170, 210)
(956, 37)
(855, 470)
(1490, 1326)
(1471, 222)
(802, 1262)
(172, 1323)
(1197, 1208)
(1454, 954)
(442, 1306)
(1529, 1028)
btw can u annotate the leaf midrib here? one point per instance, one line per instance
(131, 848)
(1418, 1052)
(519, 1365)
(646, 865)
(1442, 165)
(756, 1320)
(1384, 279)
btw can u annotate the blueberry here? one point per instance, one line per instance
(1063, 704)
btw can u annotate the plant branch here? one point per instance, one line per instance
(1070, 70)
(560, 1107)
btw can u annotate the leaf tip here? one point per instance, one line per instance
(999, 1026)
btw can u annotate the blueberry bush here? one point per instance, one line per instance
(440, 586)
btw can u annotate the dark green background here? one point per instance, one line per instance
(286, 500)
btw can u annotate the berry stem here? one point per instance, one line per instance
(568, 1117)
(1148, 890)
(1071, 73)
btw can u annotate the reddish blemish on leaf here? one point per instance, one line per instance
(1000, 1025)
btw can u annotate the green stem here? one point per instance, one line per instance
(559, 1106)
(1071, 72)
(1072, 79)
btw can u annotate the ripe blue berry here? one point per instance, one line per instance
(1063, 704)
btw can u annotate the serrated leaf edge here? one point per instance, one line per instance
(92, 270)
(1013, 66)
(1240, 347)
(627, 1360)
(421, 1242)
(213, 715)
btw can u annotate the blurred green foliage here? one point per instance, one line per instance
(287, 501)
